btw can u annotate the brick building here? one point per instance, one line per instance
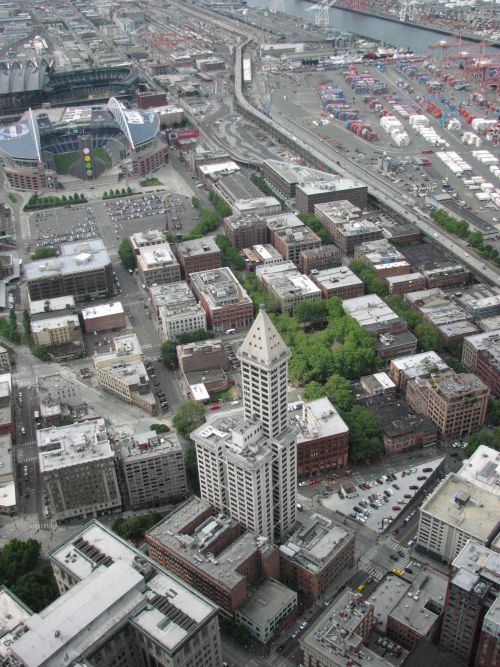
(344, 223)
(291, 242)
(245, 231)
(226, 303)
(82, 270)
(287, 284)
(322, 440)
(104, 317)
(455, 402)
(402, 284)
(481, 355)
(319, 259)
(205, 362)
(316, 555)
(416, 365)
(384, 258)
(338, 281)
(445, 274)
(198, 255)
(211, 552)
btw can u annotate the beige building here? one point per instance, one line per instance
(122, 372)
(455, 402)
(4, 360)
(288, 285)
(77, 465)
(117, 607)
(57, 331)
(158, 265)
(151, 469)
(177, 309)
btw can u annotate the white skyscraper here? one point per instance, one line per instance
(247, 458)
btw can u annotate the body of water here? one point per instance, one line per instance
(371, 27)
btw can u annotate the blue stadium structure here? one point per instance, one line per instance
(82, 142)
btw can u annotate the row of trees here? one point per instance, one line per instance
(112, 194)
(313, 223)
(20, 571)
(8, 327)
(168, 348)
(266, 189)
(222, 207)
(36, 203)
(208, 223)
(230, 256)
(259, 294)
(373, 284)
(461, 228)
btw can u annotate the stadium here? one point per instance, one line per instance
(47, 148)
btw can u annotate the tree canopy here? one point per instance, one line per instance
(191, 465)
(484, 437)
(365, 440)
(134, 527)
(336, 388)
(230, 256)
(189, 416)
(373, 284)
(44, 252)
(126, 254)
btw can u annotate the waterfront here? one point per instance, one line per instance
(371, 27)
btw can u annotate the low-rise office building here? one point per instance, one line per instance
(338, 281)
(407, 613)
(61, 397)
(157, 265)
(146, 239)
(480, 301)
(8, 494)
(177, 309)
(82, 270)
(346, 225)
(205, 363)
(271, 607)
(115, 605)
(456, 511)
(455, 402)
(291, 242)
(374, 315)
(245, 231)
(263, 254)
(445, 274)
(322, 439)
(402, 284)
(319, 259)
(211, 552)
(104, 317)
(57, 306)
(151, 469)
(481, 355)
(383, 257)
(77, 465)
(61, 335)
(423, 364)
(288, 285)
(256, 206)
(198, 255)
(316, 555)
(122, 372)
(226, 303)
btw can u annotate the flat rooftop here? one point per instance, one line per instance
(12, 611)
(150, 237)
(476, 513)
(281, 221)
(50, 305)
(257, 203)
(148, 445)
(487, 342)
(419, 364)
(102, 310)
(339, 210)
(48, 323)
(153, 257)
(477, 558)
(319, 419)
(266, 602)
(370, 311)
(76, 444)
(197, 247)
(315, 542)
(266, 253)
(483, 469)
(406, 278)
(219, 287)
(80, 257)
(292, 283)
(336, 277)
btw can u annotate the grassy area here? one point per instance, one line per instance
(12, 198)
(150, 181)
(63, 161)
(101, 154)
(225, 395)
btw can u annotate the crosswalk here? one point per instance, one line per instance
(366, 562)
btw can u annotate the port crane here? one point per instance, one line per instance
(321, 12)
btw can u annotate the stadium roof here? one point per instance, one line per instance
(22, 140)
(137, 125)
(24, 76)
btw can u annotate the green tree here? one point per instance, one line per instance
(428, 337)
(191, 465)
(194, 336)
(476, 239)
(373, 284)
(230, 256)
(134, 527)
(365, 441)
(36, 590)
(195, 201)
(221, 206)
(336, 388)
(483, 437)
(44, 252)
(312, 311)
(315, 224)
(18, 558)
(26, 323)
(189, 416)
(169, 354)
(40, 352)
(126, 254)
(159, 428)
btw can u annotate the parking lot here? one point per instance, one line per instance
(63, 225)
(379, 502)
